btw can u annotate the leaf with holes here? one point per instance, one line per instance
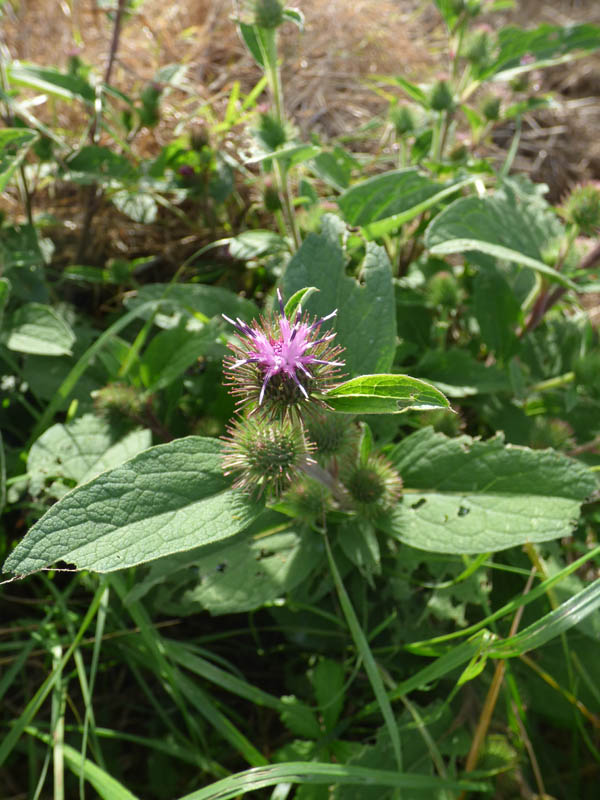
(463, 495)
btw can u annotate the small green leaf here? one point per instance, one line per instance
(296, 299)
(411, 89)
(37, 328)
(4, 295)
(335, 167)
(300, 719)
(543, 44)
(391, 224)
(138, 206)
(250, 39)
(252, 244)
(294, 15)
(96, 164)
(52, 81)
(328, 682)
(384, 394)
(19, 247)
(14, 145)
(173, 351)
(292, 154)
(498, 319)
(168, 499)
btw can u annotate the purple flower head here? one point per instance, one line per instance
(279, 363)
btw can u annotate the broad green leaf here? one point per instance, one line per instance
(496, 310)
(391, 224)
(19, 247)
(191, 301)
(497, 226)
(168, 499)
(52, 81)
(300, 719)
(97, 164)
(328, 682)
(467, 496)
(366, 311)
(252, 244)
(138, 206)
(80, 450)
(173, 351)
(385, 196)
(37, 328)
(246, 574)
(457, 374)
(334, 167)
(4, 295)
(540, 45)
(14, 145)
(384, 394)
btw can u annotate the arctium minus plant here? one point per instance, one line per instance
(277, 365)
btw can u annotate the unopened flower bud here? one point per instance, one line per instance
(441, 98)
(442, 290)
(268, 13)
(265, 456)
(374, 486)
(582, 208)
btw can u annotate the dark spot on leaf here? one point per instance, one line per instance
(221, 567)
(463, 511)
(419, 503)
(264, 554)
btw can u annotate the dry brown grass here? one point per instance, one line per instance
(324, 68)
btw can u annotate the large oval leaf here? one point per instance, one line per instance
(366, 318)
(166, 500)
(467, 496)
(498, 226)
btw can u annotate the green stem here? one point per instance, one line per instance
(553, 383)
(267, 39)
(362, 646)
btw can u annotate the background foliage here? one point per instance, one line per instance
(167, 635)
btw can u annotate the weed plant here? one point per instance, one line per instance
(315, 514)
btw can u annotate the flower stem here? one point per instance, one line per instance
(267, 39)
(362, 646)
